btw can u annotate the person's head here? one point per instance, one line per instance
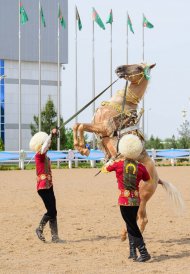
(130, 146)
(37, 141)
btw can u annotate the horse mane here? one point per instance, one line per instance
(117, 97)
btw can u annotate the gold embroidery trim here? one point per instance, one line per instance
(116, 107)
(44, 176)
(132, 97)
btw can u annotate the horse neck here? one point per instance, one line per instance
(137, 90)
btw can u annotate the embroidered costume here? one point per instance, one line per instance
(43, 170)
(40, 143)
(128, 183)
(129, 173)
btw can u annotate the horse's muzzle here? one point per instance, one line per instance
(120, 72)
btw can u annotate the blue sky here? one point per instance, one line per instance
(167, 45)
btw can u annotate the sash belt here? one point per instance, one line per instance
(128, 193)
(44, 176)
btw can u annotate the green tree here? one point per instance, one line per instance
(170, 143)
(1, 145)
(69, 144)
(48, 122)
(184, 132)
(155, 143)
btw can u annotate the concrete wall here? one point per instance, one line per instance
(29, 98)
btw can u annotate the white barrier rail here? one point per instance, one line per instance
(22, 160)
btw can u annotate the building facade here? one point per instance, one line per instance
(29, 56)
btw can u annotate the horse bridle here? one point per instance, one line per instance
(145, 74)
(128, 77)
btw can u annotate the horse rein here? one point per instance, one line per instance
(133, 75)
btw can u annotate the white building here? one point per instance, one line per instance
(9, 65)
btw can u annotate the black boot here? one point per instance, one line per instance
(40, 229)
(54, 230)
(144, 255)
(132, 248)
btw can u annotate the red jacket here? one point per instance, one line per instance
(43, 171)
(128, 197)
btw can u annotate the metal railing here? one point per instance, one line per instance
(72, 157)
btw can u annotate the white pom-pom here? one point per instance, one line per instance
(130, 146)
(37, 141)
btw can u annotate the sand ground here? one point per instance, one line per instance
(90, 224)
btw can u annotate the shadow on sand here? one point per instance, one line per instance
(164, 257)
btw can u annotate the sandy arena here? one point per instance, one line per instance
(89, 222)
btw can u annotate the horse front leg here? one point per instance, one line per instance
(93, 128)
(75, 134)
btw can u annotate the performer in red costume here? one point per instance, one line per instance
(129, 173)
(40, 143)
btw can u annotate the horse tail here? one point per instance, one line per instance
(174, 196)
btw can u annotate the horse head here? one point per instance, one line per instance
(134, 73)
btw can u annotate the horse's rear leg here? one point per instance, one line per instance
(142, 216)
(123, 234)
(142, 220)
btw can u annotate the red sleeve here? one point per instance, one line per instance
(39, 157)
(145, 174)
(111, 167)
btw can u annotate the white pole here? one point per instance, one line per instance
(127, 42)
(76, 72)
(19, 97)
(39, 85)
(93, 79)
(111, 58)
(143, 62)
(58, 85)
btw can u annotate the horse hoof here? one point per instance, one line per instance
(76, 144)
(86, 152)
(123, 236)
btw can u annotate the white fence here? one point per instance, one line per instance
(72, 158)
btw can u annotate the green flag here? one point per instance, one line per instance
(146, 23)
(97, 19)
(60, 16)
(130, 24)
(78, 20)
(23, 15)
(42, 17)
(110, 18)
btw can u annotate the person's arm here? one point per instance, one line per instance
(108, 167)
(46, 145)
(39, 158)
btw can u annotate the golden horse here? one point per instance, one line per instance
(118, 116)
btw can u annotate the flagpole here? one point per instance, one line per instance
(143, 41)
(39, 85)
(93, 79)
(143, 62)
(127, 35)
(76, 72)
(111, 59)
(58, 83)
(19, 97)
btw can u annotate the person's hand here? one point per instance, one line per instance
(54, 131)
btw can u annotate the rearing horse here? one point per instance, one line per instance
(113, 119)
